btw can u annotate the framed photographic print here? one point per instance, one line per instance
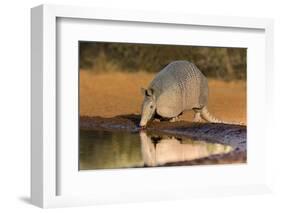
(129, 106)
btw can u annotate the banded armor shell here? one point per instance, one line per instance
(178, 87)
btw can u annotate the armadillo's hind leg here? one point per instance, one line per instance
(197, 115)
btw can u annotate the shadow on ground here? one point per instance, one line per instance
(25, 200)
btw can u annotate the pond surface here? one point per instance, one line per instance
(112, 150)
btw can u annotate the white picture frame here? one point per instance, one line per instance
(47, 165)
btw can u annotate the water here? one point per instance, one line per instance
(111, 150)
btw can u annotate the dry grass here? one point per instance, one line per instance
(115, 93)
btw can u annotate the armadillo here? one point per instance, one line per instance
(178, 87)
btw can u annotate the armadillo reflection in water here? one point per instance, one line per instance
(157, 151)
(110, 150)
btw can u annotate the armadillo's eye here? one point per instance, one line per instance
(151, 107)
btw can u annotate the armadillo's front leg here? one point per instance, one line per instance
(174, 119)
(157, 120)
(177, 118)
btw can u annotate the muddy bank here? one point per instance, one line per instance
(233, 135)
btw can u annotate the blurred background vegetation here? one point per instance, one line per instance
(216, 62)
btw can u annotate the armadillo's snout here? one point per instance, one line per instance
(142, 123)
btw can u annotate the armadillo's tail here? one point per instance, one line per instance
(206, 115)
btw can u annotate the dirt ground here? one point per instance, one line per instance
(118, 93)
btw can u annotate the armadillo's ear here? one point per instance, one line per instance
(149, 92)
(143, 91)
